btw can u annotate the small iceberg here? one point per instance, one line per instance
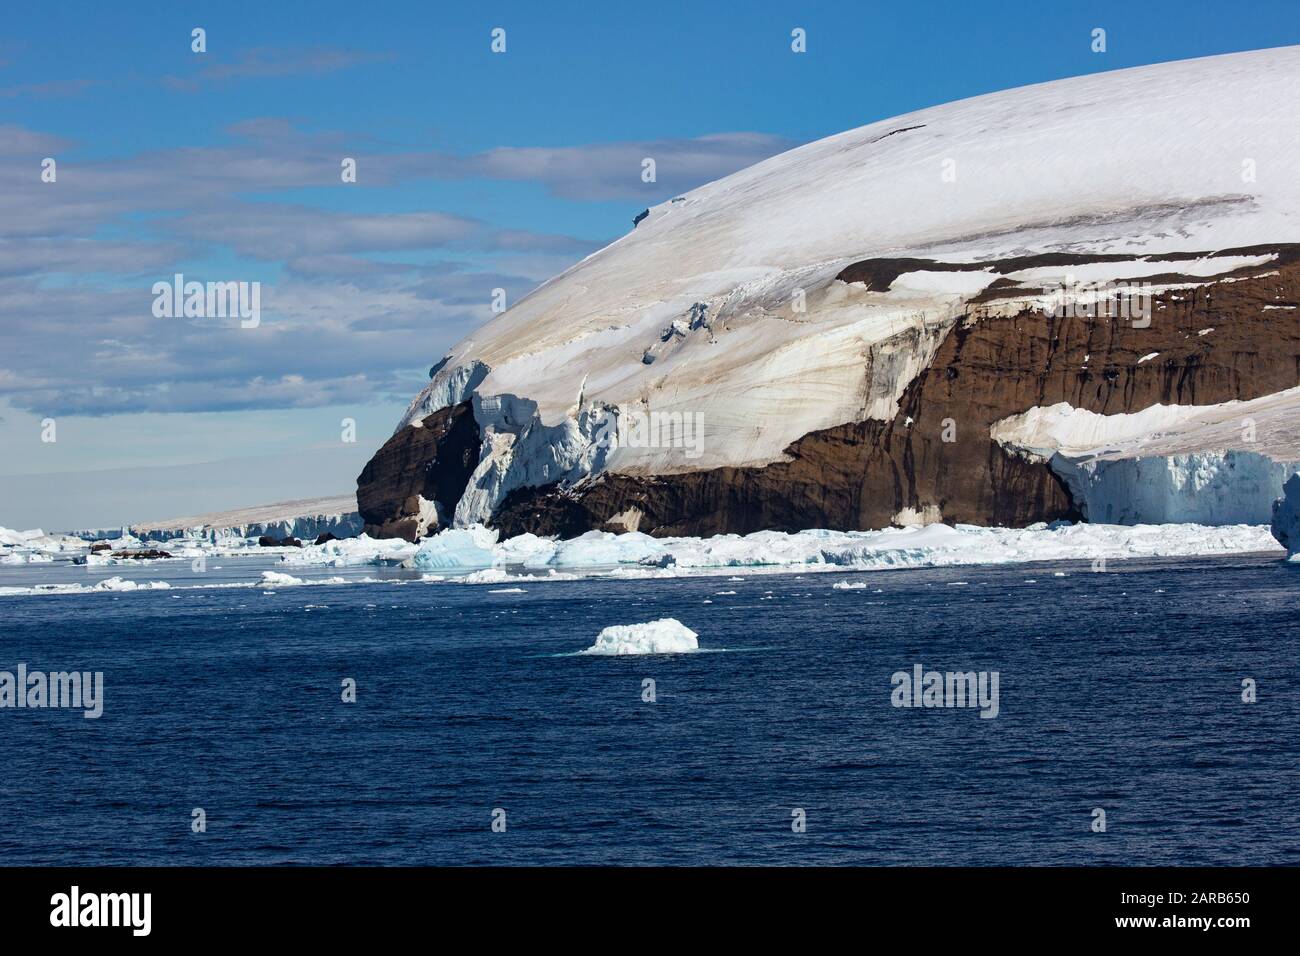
(119, 584)
(664, 636)
(275, 579)
(456, 549)
(603, 548)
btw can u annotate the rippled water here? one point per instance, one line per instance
(1118, 690)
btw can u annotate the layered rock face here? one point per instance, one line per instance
(960, 315)
(936, 458)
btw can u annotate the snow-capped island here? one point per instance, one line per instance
(1060, 302)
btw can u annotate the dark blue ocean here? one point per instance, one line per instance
(1119, 690)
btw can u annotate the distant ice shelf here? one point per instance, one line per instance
(305, 518)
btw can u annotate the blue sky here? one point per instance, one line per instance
(475, 171)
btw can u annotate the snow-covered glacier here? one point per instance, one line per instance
(849, 322)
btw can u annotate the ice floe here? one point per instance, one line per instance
(476, 555)
(456, 548)
(275, 579)
(347, 552)
(119, 584)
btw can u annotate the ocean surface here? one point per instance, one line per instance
(1120, 691)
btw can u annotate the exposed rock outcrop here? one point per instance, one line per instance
(414, 481)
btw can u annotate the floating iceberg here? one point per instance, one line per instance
(27, 557)
(457, 548)
(664, 636)
(596, 548)
(276, 579)
(528, 550)
(486, 576)
(34, 546)
(119, 584)
(346, 552)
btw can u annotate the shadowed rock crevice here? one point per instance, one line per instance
(430, 463)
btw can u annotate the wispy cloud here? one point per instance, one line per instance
(17, 141)
(282, 231)
(613, 170)
(356, 303)
(267, 62)
(49, 90)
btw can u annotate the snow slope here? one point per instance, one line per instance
(1146, 161)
